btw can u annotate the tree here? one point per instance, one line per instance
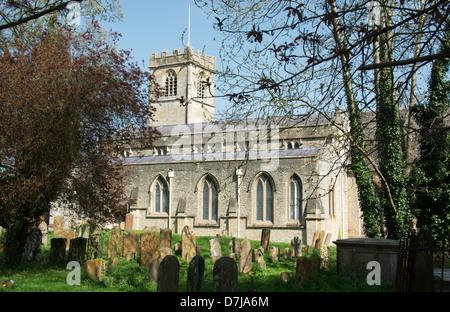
(291, 57)
(68, 102)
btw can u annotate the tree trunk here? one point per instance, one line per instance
(16, 239)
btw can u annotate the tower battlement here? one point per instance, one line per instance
(188, 55)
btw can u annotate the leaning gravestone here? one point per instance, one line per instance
(320, 240)
(168, 274)
(44, 229)
(130, 244)
(245, 260)
(265, 238)
(77, 249)
(32, 250)
(195, 275)
(261, 261)
(188, 247)
(215, 248)
(296, 244)
(225, 275)
(57, 251)
(149, 248)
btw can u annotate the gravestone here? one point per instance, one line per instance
(302, 270)
(68, 234)
(265, 238)
(234, 246)
(320, 240)
(32, 250)
(130, 245)
(116, 230)
(129, 221)
(57, 251)
(327, 239)
(296, 244)
(225, 275)
(165, 238)
(77, 249)
(274, 254)
(195, 275)
(255, 255)
(188, 248)
(215, 248)
(149, 247)
(287, 253)
(165, 251)
(245, 260)
(261, 261)
(168, 274)
(315, 263)
(44, 229)
(153, 267)
(325, 256)
(95, 268)
(285, 277)
(95, 247)
(58, 224)
(115, 246)
(177, 249)
(315, 237)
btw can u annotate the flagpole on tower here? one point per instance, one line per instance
(189, 26)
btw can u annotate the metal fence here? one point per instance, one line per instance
(423, 265)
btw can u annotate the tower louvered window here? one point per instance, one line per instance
(171, 84)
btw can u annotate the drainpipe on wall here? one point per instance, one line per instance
(170, 175)
(239, 174)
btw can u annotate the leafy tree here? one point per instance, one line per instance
(67, 104)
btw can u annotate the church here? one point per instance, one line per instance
(236, 178)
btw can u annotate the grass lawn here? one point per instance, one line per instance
(128, 276)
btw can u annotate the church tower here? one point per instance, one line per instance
(188, 81)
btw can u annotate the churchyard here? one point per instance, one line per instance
(159, 261)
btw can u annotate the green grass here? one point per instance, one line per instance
(128, 276)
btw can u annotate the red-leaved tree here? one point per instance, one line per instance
(67, 104)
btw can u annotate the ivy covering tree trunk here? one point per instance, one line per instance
(431, 175)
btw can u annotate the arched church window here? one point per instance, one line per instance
(171, 83)
(264, 199)
(161, 196)
(295, 199)
(209, 200)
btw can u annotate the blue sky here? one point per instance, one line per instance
(153, 26)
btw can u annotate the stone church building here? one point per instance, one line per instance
(236, 178)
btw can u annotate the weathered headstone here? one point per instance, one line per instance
(287, 253)
(68, 234)
(130, 245)
(188, 244)
(215, 248)
(315, 262)
(234, 246)
(255, 255)
(165, 251)
(115, 246)
(129, 221)
(148, 247)
(116, 230)
(296, 244)
(225, 275)
(58, 224)
(320, 240)
(261, 261)
(274, 254)
(77, 249)
(245, 259)
(195, 275)
(165, 238)
(32, 250)
(315, 237)
(57, 251)
(325, 256)
(95, 268)
(327, 239)
(265, 238)
(285, 277)
(153, 269)
(95, 247)
(44, 229)
(303, 268)
(168, 274)
(177, 249)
